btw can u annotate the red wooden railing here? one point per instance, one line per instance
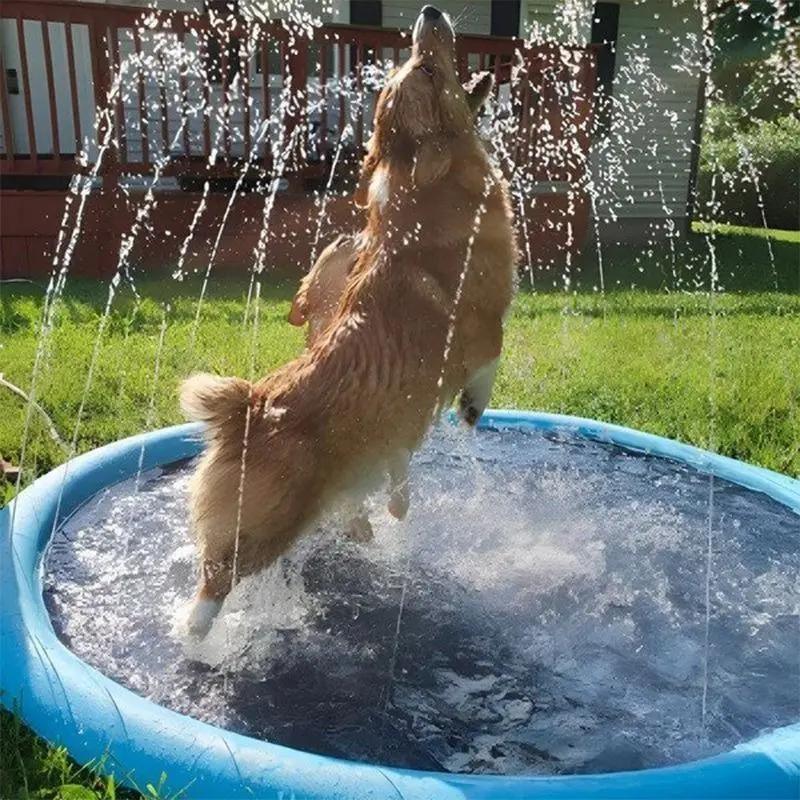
(64, 59)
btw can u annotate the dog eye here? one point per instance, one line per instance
(427, 70)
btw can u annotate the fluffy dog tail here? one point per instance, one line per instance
(219, 402)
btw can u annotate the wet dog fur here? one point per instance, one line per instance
(317, 298)
(418, 323)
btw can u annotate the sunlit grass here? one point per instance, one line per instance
(656, 361)
(729, 382)
(742, 230)
(720, 371)
(30, 769)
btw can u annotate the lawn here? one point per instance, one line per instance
(723, 229)
(717, 371)
(657, 351)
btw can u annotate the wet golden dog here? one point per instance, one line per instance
(420, 321)
(320, 292)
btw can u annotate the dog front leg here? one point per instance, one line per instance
(481, 359)
(398, 483)
(475, 395)
(216, 581)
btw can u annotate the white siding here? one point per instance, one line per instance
(37, 78)
(648, 150)
(563, 21)
(172, 5)
(470, 16)
(326, 10)
(652, 132)
(16, 102)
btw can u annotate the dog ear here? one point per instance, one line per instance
(384, 110)
(431, 162)
(478, 91)
(368, 167)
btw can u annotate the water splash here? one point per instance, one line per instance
(560, 634)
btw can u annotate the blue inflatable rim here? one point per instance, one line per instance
(66, 701)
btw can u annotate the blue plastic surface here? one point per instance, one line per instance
(66, 701)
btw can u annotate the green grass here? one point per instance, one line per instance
(723, 228)
(30, 769)
(652, 359)
(656, 352)
(730, 384)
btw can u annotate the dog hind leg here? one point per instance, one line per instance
(398, 483)
(216, 580)
(360, 528)
(273, 512)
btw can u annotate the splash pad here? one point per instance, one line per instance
(66, 700)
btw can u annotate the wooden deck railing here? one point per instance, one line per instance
(197, 91)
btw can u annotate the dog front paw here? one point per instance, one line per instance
(467, 409)
(201, 618)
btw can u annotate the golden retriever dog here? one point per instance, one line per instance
(317, 299)
(421, 320)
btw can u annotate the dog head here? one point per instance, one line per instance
(422, 108)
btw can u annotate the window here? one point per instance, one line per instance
(12, 81)
(605, 25)
(366, 12)
(505, 18)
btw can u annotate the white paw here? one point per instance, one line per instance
(202, 616)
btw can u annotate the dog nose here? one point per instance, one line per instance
(431, 12)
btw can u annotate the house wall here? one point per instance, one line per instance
(564, 21)
(132, 129)
(171, 5)
(471, 17)
(30, 222)
(34, 44)
(641, 168)
(652, 134)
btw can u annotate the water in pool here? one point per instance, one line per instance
(542, 610)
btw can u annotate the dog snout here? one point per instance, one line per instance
(432, 25)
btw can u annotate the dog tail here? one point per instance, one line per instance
(219, 402)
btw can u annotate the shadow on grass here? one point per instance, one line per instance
(738, 263)
(84, 300)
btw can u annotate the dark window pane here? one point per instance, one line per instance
(366, 12)
(505, 18)
(605, 25)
